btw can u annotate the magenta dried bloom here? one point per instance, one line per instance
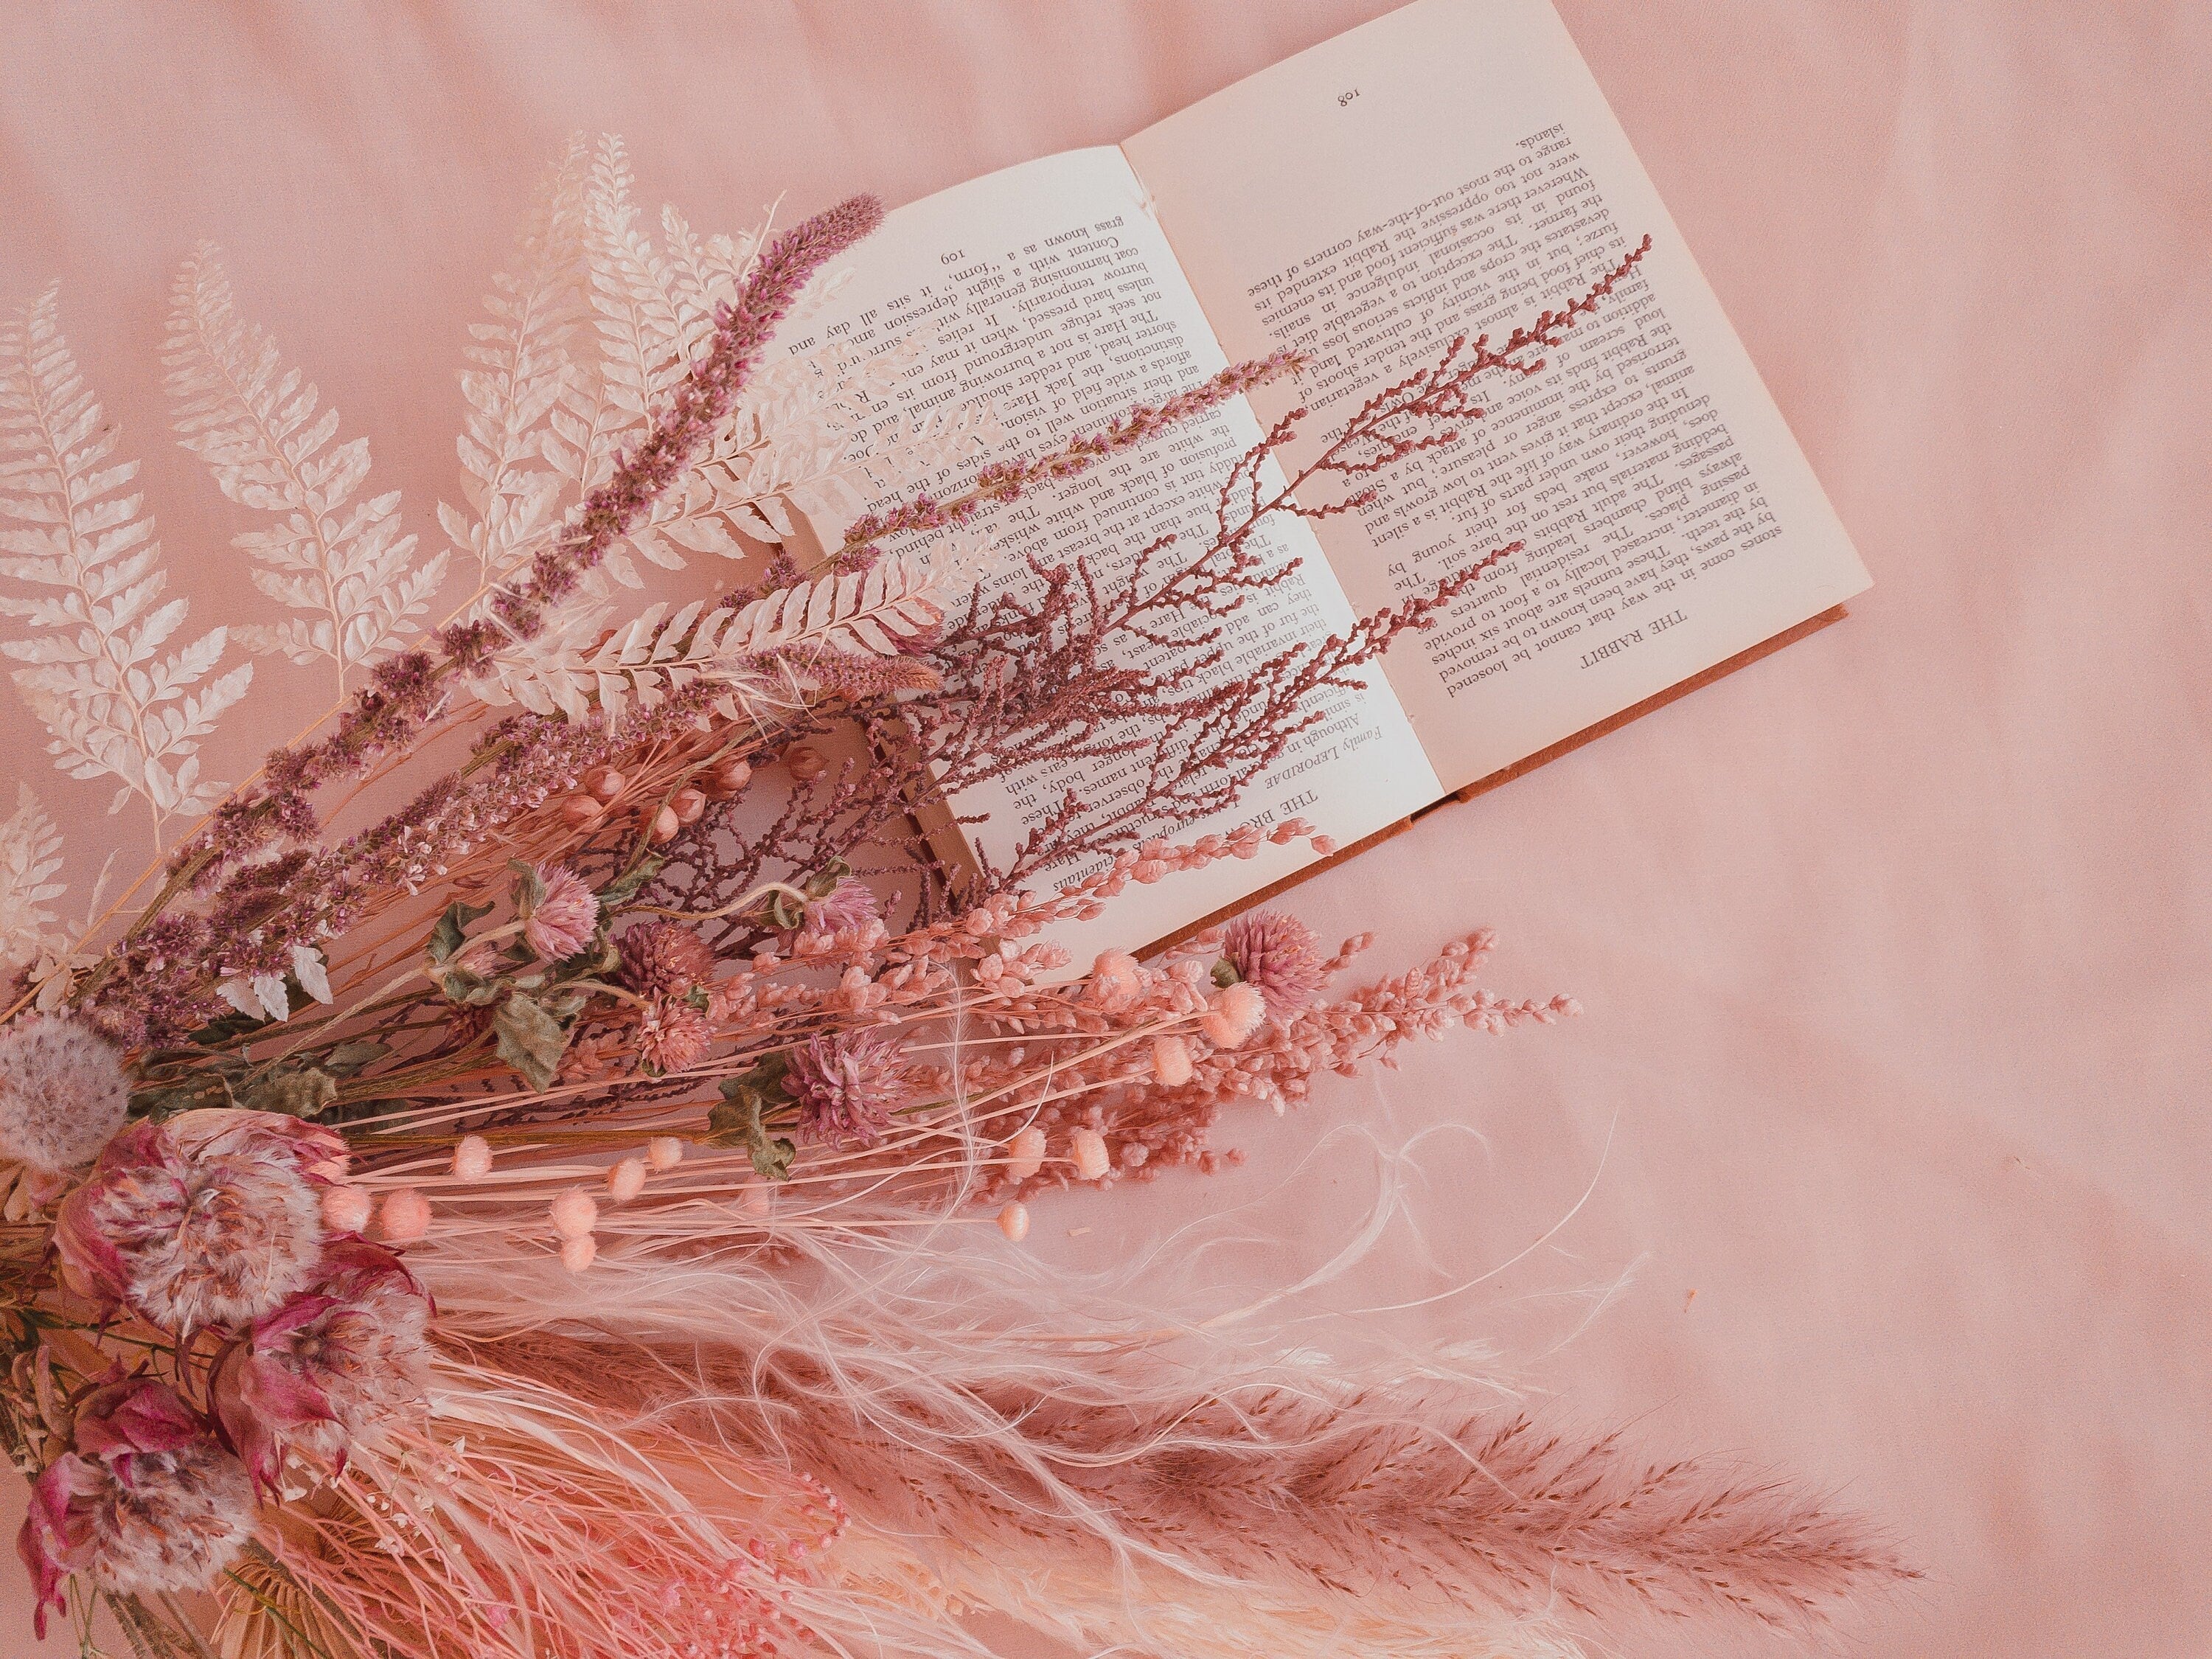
(146, 1501)
(211, 1219)
(848, 1087)
(332, 1366)
(561, 922)
(1277, 955)
(666, 959)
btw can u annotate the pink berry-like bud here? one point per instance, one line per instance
(579, 811)
(665, 823)
(606, 782)
(663, 1153)
(1014, 1222)
(346, 1209)
(626, 1180)
(1171, 1061)
(690, 805)
(1025, 1153)
(1088, 1148)
(574, 1215)
(578, 1254)
(473, 1158)
(406, 1216)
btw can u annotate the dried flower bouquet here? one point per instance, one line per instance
(530, 1218)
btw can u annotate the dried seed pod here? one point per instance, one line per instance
(665, 823)
(727, 779)
(806, 762)
(606, 782)
(690, 805)
(577, 811)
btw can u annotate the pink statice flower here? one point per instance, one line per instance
(212, 1218)
(62, 1093)
(331, 1367)
(145, 1501)
(1277, 956)
(560, 921)
(847, 1085)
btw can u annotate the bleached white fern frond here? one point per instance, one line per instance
(884, 613)
(255, 423)
(115, 705)
(30, 859)
(519, 364)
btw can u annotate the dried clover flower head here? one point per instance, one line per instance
(212, 1218)
(847, 1085)
(336, 1363)
(1277, 955)
(847, 908)
(561, 919)
(672, 1036)
(666, 959)
(147, 1501)
(61, 1092)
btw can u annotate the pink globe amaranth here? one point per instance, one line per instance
(211, 1219)
(145, 1500)
(664, 959)
(847, 1085)
(1277, 955)
(334, 1364)
(562, 919)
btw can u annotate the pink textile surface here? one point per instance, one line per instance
(1896, 948)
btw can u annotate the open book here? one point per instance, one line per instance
(1450, 169)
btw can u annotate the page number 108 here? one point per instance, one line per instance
(1344, 98)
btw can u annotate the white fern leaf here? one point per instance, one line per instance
(30, 859)
(256, 425)
(519, 365)
(98, 678)
(891, 608)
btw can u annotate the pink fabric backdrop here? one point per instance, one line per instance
(1896, 948)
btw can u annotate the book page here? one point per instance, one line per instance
(1453, 168)
(1050, 291)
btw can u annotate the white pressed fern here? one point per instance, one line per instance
(881, 613)
(30, 857)
(519, 365)
(115, 704)
(255, 423)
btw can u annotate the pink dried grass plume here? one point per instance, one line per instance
(561, 921)
(147, 1501)
(1277, 956)
(848, 1086)
(212, 1218)
(62, 1093)
(334, 1364)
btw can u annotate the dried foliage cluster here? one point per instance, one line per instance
(554, 1214)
